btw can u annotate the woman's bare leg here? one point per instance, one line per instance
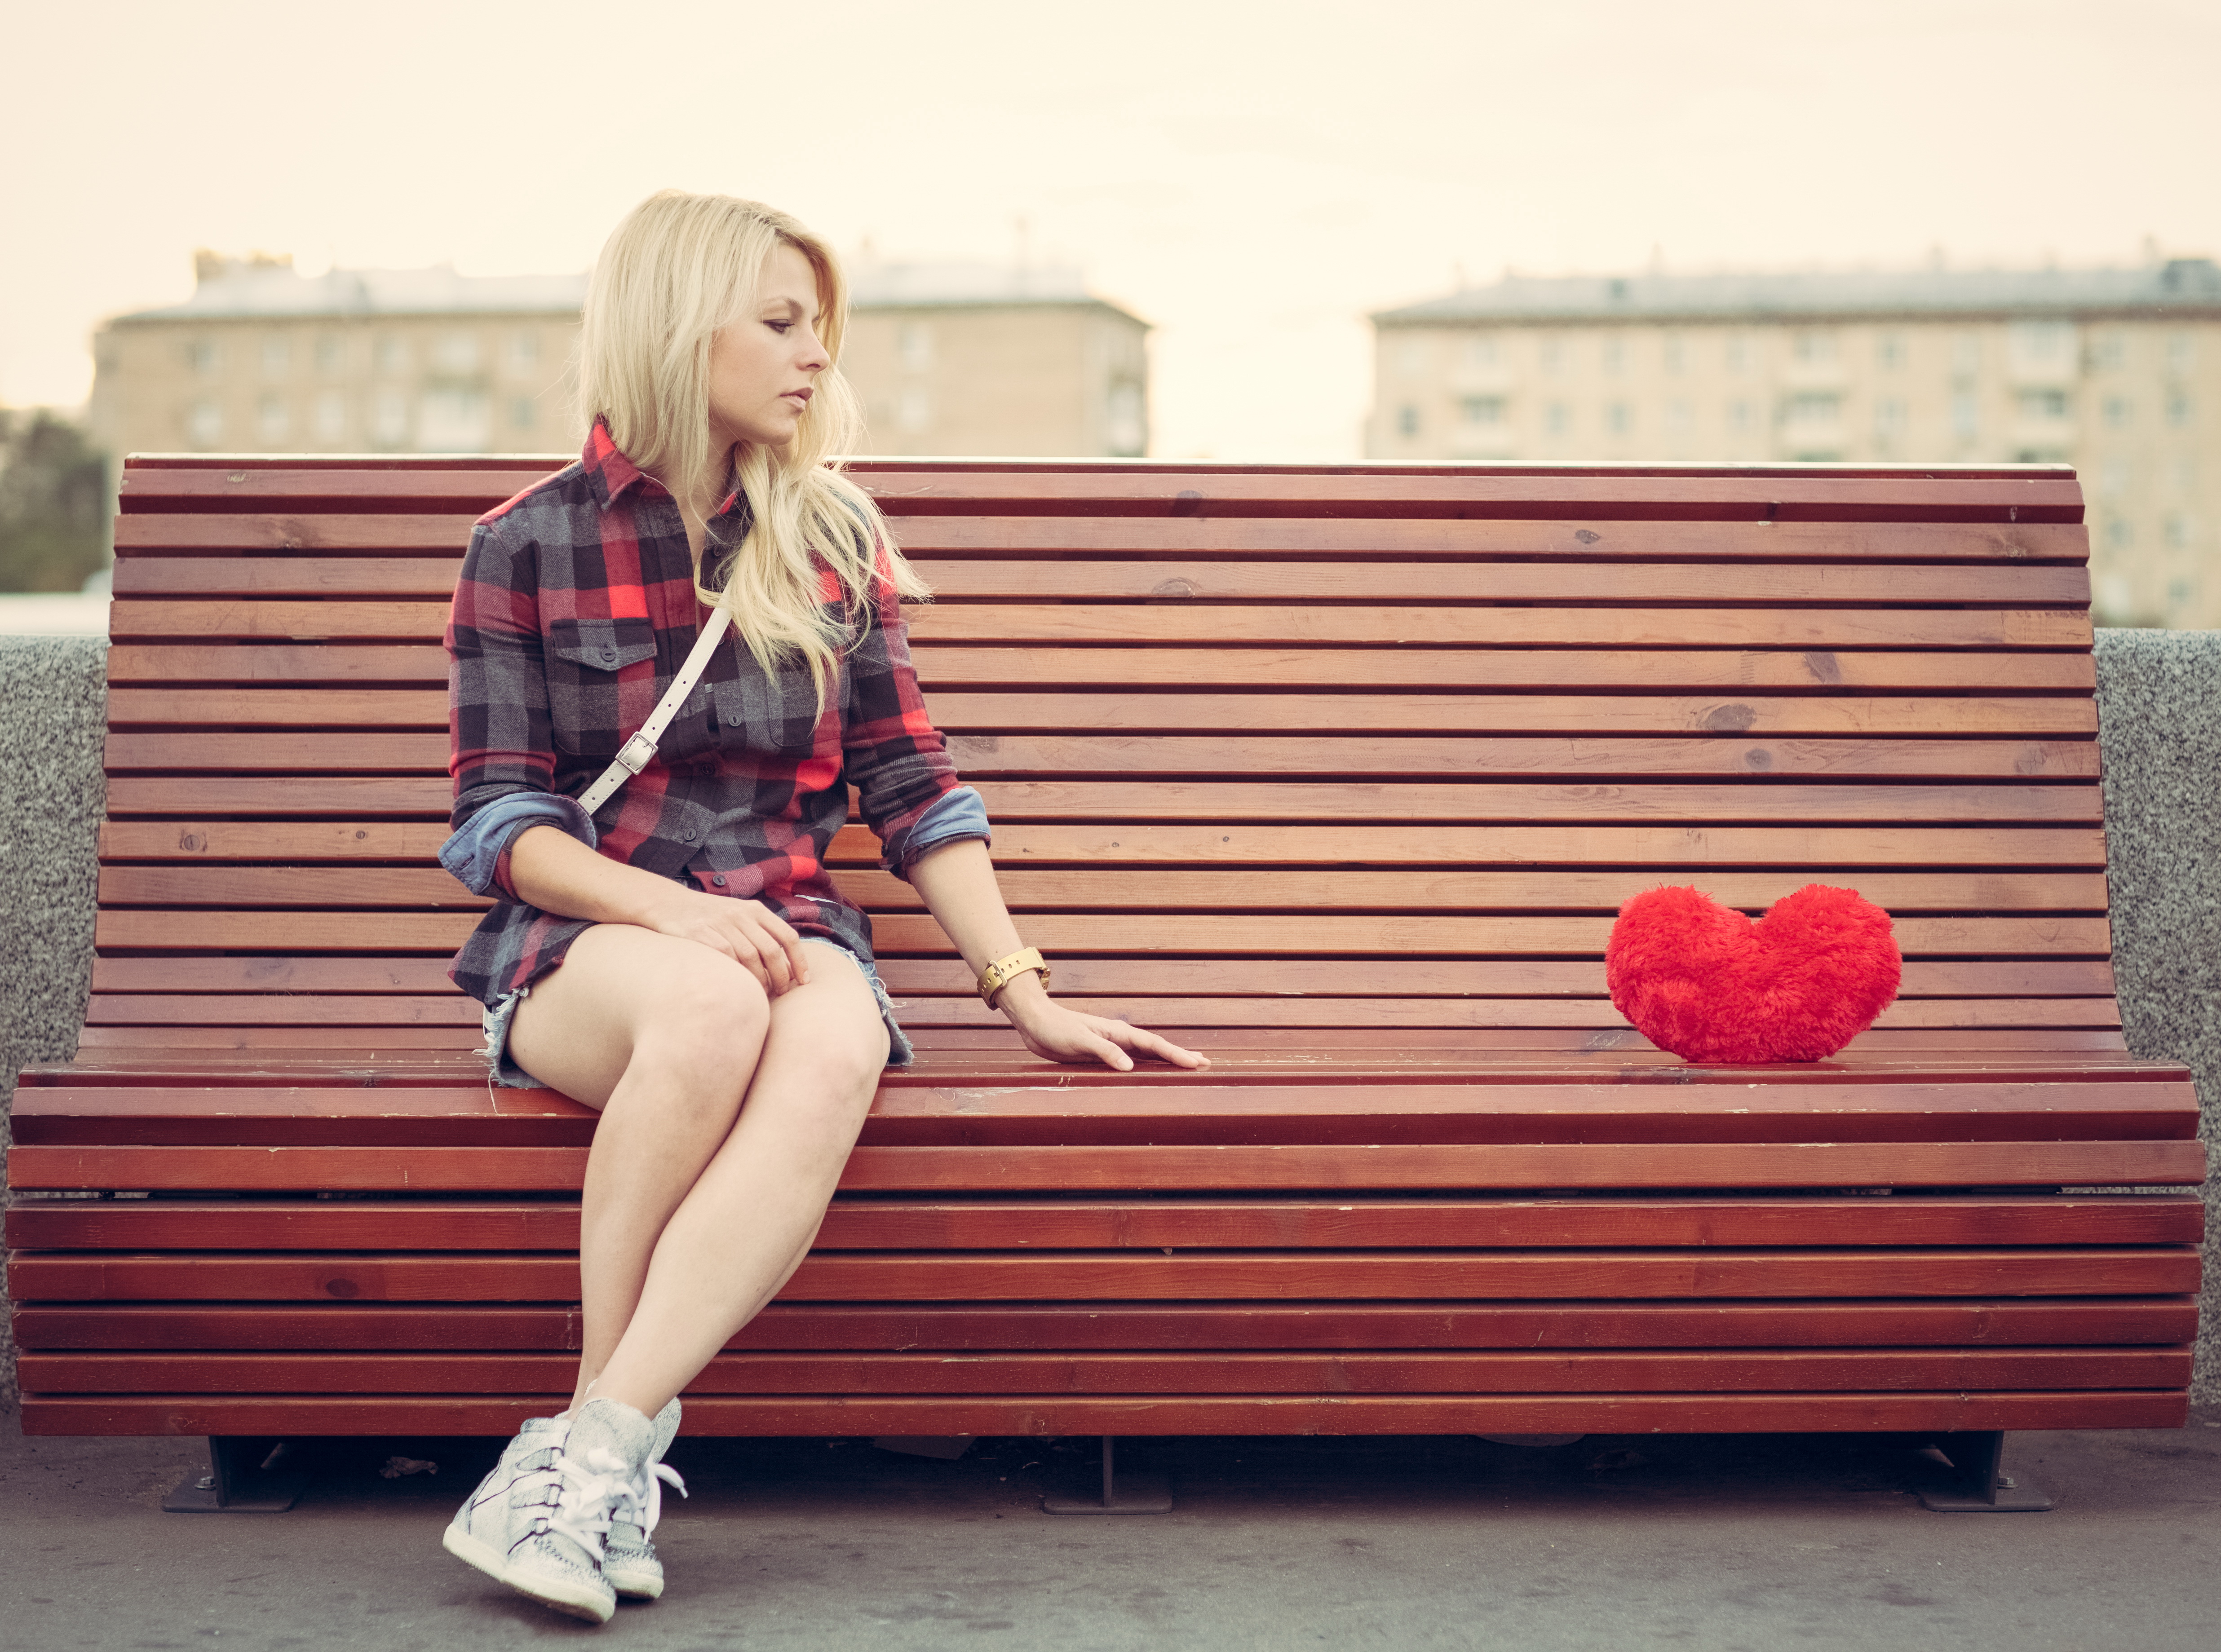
(662, 1036)
(752, 1214)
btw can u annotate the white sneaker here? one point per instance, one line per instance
(540, 1522)
(629, 1561)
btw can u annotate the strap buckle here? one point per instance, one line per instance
(637, 753)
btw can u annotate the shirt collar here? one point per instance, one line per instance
(611, 475)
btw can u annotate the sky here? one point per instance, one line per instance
(1251, 178)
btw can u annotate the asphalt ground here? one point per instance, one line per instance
(1701, 1541)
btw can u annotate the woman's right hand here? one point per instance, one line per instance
(747, 931)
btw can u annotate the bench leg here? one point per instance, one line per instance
(1140, 1494)
(243, 1478)
(1977, 1486)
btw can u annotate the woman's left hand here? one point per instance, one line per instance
(1063, 1035)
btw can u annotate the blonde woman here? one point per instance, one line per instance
(678, 959)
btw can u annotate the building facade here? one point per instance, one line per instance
(947, 359)
(2115, 372)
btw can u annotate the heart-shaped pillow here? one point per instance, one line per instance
(1705, 982)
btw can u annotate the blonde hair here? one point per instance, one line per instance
(679, 268)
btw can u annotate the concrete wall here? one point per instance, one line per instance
(2159, 704)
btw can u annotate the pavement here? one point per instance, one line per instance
(1700, 1540)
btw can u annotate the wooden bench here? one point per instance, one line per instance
(1339, 772)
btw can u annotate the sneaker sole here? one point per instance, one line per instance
(635, 1585)
(487, 1559)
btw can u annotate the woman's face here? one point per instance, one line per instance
(764, 367)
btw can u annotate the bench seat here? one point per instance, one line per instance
(1339, 773)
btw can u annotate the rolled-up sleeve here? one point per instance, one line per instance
(500, 739)
(892, 753)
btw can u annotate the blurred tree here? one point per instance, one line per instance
(54, 503)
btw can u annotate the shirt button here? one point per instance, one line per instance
(609, 653)
(690, 834)
(719, 880)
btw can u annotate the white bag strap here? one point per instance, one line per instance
(635, 755)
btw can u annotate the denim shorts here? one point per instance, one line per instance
(495, 1017)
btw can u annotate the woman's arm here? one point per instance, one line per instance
(958, 883)
(554, 871)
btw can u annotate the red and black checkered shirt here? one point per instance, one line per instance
(575, 608)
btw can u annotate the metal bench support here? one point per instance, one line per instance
(1139, 1494)
(243, 1478)
(1977, 1486)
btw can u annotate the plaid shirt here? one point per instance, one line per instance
(575, 608)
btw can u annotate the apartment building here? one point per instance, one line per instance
(947, 359)
(2116, 372)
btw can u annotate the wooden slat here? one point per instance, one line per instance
(2016, 544)
(1066, 933)
(1435, 891)
(1112, 845)
(1285, 539)
(989, 1328)
(1196, 1168)
(1746, 584)
(1182, 1222)
(1955, 1411)
(1760, 1371)
(280, 663)
(424, 796)
(1301, 1275)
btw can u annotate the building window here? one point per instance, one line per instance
(2183, 474)
(1614, 355)
(453, 420)
(1739, 416)
(1889, 419)
(1966, 417)
(205, 424)
(1407, 420)
(2178, 409)
(1482, 351)
(1813, 410)
(1677, 417)
(331, 353)
(914, 343)
(1125, 423)
(2180, 592)
(1671, 353)
(457, 352)
(1557, 419)
(276, 358)
(204, 357)
(1889, 352)
(523, 353)
(2051, 343)
(1619, 418)
(331, 416)
(2181, 352)
(2110, 351)
(392, 354)
(271, 419)
(389, 419)
(1812, 347)
(2040, 405)
(2116, 412)
(2174, 528)
(1482, 410)
(2120, 534)
(522, 413)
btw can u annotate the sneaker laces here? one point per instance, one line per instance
(644, 1496)
(587, 1493)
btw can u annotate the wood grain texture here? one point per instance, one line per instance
(1183, 1168)
(1183, 1223)
(1988, 1321)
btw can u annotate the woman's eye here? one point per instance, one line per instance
(778, 327)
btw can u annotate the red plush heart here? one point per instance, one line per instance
(1705, 982)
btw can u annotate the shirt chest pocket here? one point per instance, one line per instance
(601, 681)
(768, 713)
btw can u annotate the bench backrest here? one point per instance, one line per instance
(1268, 748)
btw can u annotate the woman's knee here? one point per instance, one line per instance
(714, 1017)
